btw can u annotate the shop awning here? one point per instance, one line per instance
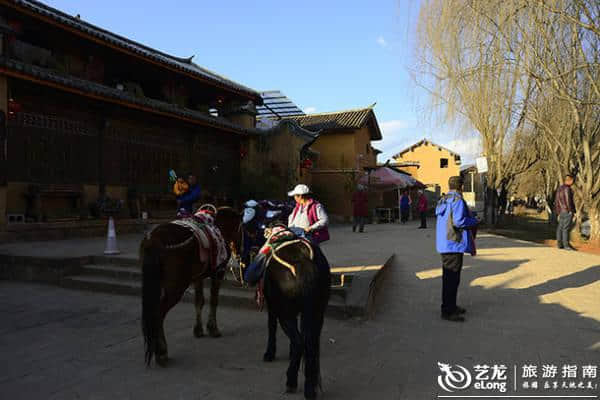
(385, 178)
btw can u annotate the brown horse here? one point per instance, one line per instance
(171, 260)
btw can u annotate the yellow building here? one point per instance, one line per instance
(430, 163)
(344, 148)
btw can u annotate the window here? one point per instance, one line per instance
(443, 163)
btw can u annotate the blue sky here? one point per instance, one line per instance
(324, 55)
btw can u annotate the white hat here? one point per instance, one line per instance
(251, 203)
(299, 190)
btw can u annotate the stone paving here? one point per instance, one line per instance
(527, 304)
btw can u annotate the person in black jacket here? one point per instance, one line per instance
(564, 207)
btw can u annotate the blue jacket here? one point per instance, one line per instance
(404, 202)
(453, 221)
(188, 199)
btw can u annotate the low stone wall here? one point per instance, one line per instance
(69, 230)
(38, 269)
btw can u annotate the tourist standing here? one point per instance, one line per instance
(361, 211)
(565, 210)
(405, 203)
(422, 208)
(453, 239)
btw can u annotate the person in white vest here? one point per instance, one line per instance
(308, 215)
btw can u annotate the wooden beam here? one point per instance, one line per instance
(123, 103)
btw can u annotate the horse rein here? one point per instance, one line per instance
(285, 244)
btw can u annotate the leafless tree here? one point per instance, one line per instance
(526, 76)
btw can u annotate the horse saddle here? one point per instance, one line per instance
(209, 238)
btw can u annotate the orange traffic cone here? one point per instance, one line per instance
(111, 238)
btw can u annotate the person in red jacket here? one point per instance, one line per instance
(361, 210)
(422, 208)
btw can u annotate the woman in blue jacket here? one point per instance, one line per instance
(453, 238)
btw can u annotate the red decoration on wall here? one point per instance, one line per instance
(13, 108)
(306, 164)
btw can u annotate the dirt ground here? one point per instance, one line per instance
(530, 225)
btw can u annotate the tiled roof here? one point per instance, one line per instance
(350, 119)
(31, 72)
(181, 64)
(295, 128)
(422, 142)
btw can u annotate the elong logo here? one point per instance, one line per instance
(453, 379)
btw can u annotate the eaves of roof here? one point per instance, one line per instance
(42, 76)
(340, 120)
(96, 34)
(308, 136)
(421, 142)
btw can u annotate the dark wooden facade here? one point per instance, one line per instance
(74, 140)
(87, 116)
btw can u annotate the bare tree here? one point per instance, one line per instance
(514, 68)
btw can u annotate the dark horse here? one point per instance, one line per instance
(171, 260)
(303, 292)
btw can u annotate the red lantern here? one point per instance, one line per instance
(243, 152)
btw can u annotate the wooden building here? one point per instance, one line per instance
(86, 113)
(344, 153)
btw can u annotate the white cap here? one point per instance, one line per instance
(299, 190)
(251, 203)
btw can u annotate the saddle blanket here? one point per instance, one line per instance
(209, 237)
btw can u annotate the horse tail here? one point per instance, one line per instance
(151, 275)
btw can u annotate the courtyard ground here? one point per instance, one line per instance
(527, 304)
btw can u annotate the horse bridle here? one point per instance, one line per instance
(269, 234)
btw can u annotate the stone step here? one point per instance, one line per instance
(128, 262)
(117, 261)
(228, 295)
(132, 271)
(133, 274)
(112, 271)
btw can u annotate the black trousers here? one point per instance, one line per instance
(423, 219)
(451, 266)
(360, 221)
(404, 214)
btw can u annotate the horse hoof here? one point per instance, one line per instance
(162, 360)
(291, 389)
(268, 357)
(198, 332)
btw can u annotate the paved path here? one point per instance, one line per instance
(527, 304)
